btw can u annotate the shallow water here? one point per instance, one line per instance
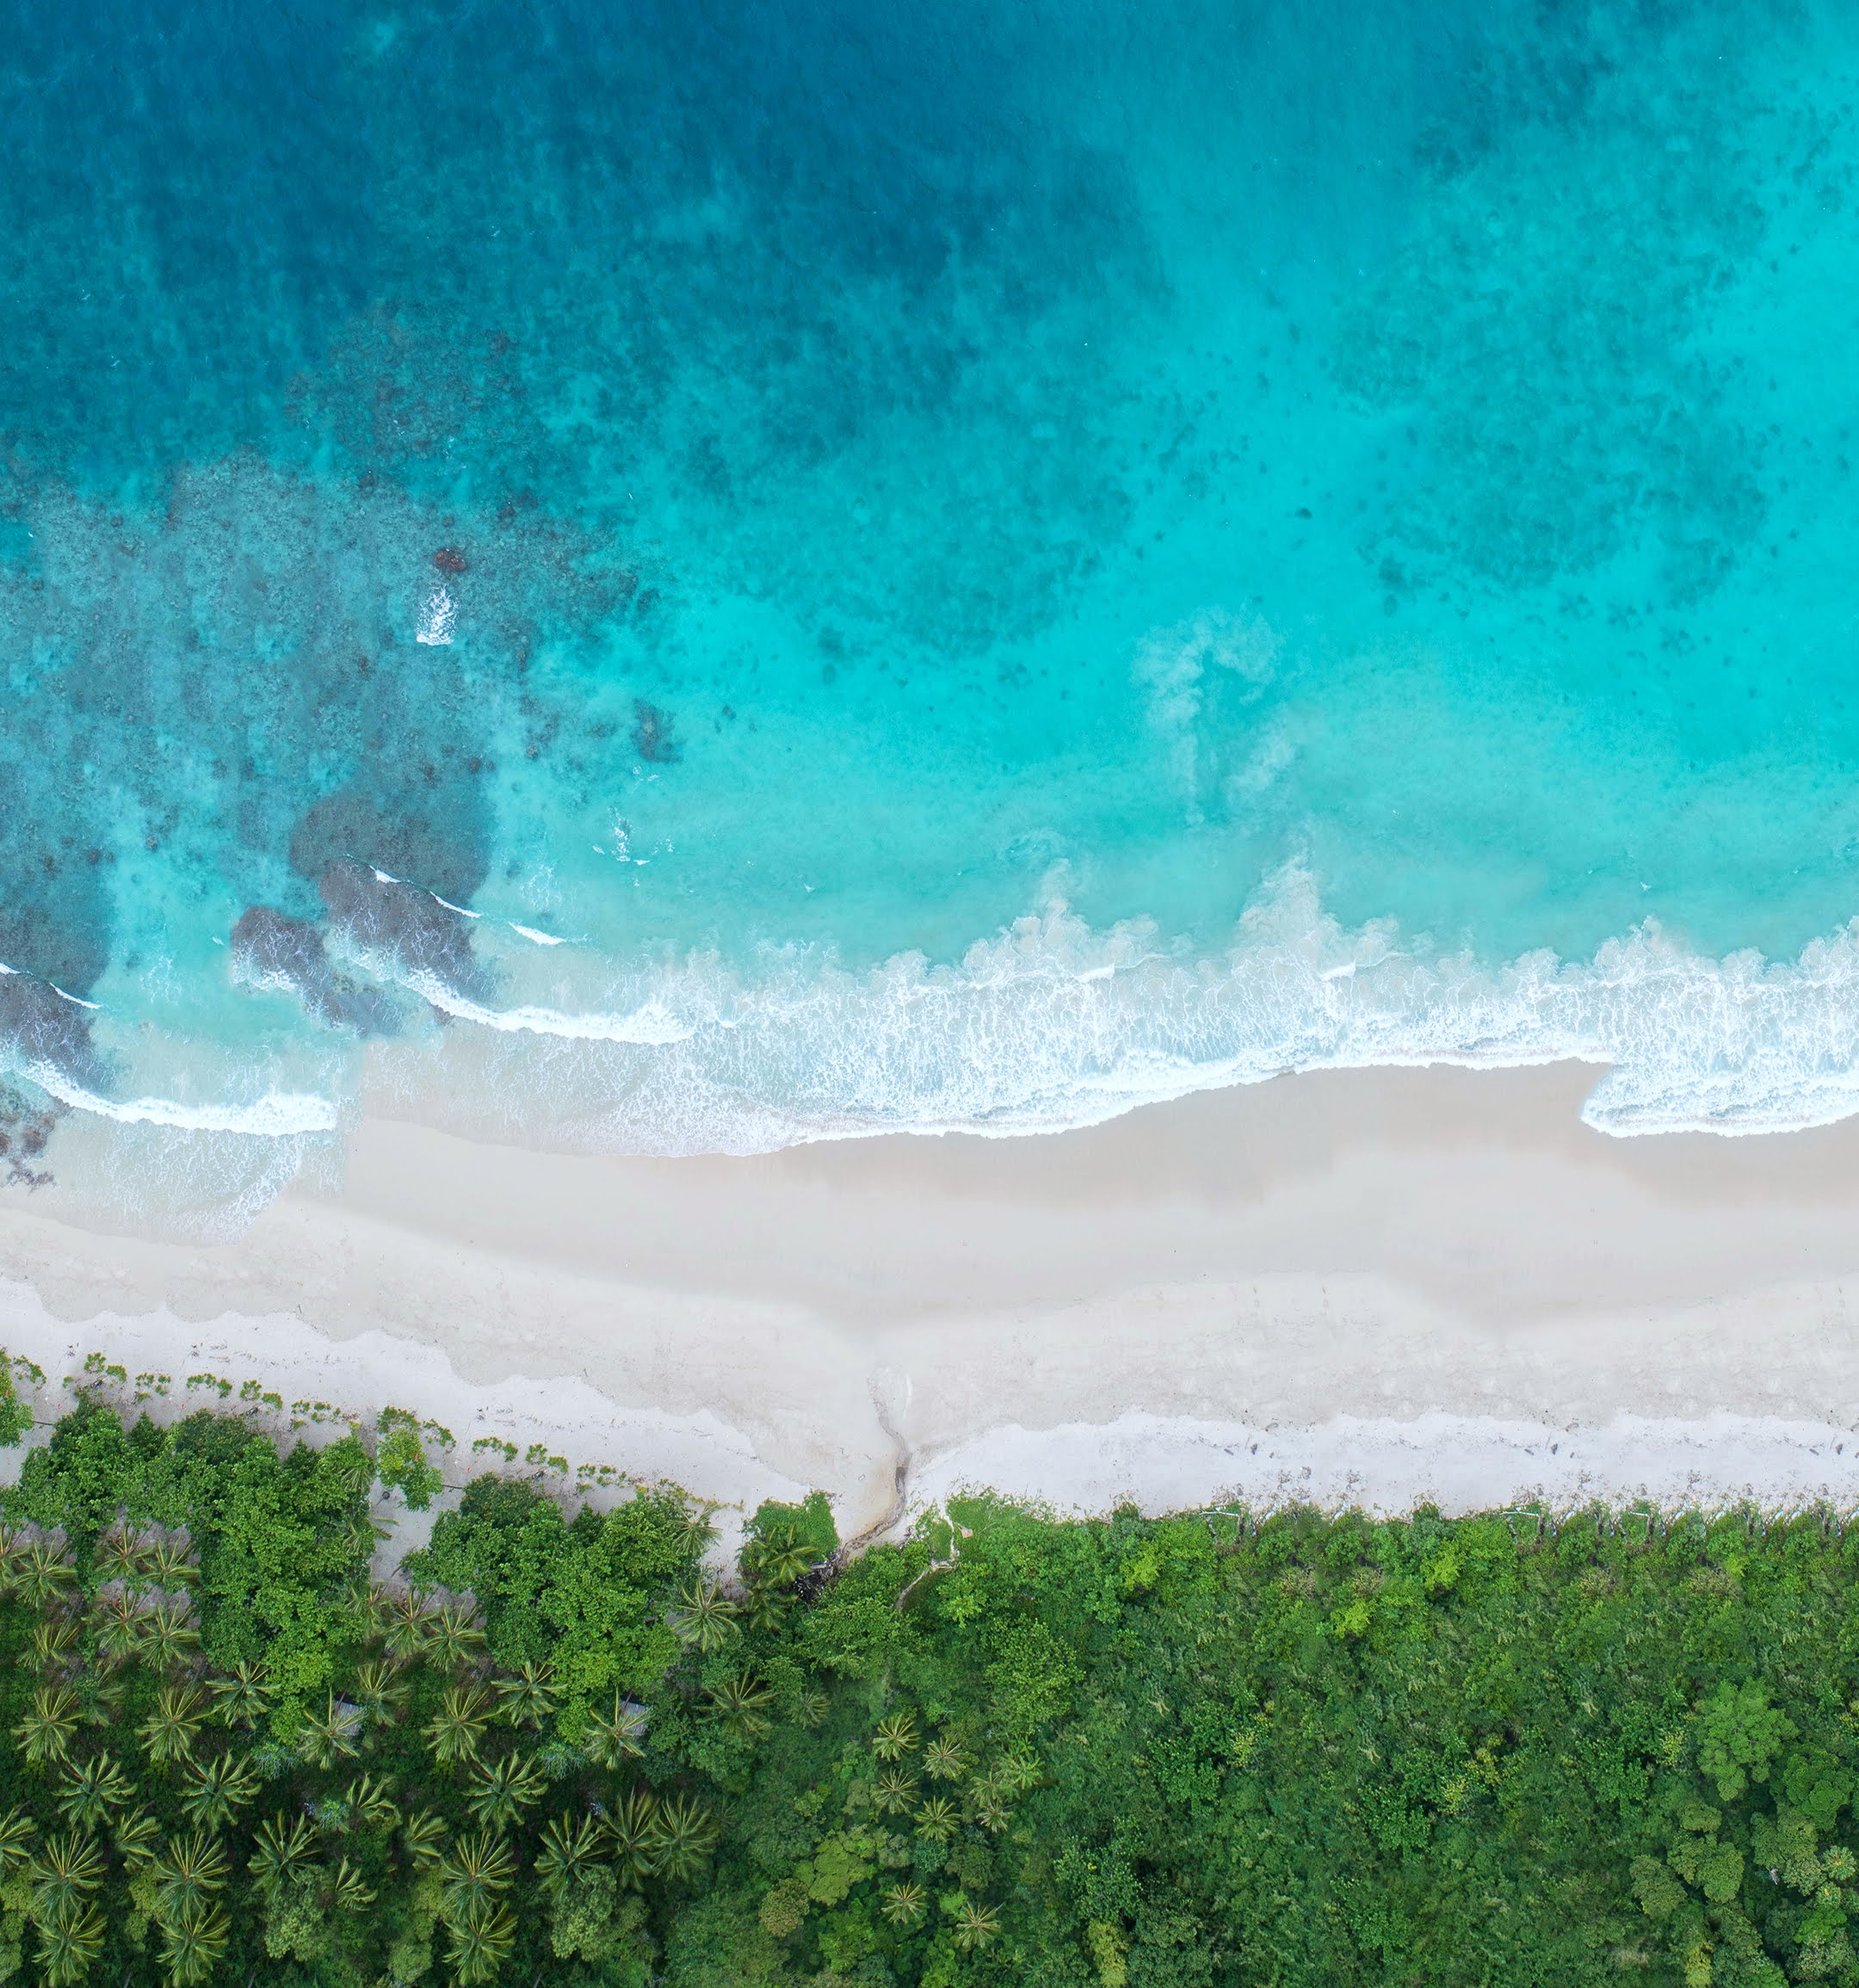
(690, 577)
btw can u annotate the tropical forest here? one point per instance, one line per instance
(564, 1742)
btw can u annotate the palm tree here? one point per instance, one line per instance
(740, 1704)
(39, 1572)
(137, 1837)
(903, 1903)
(243, 1698)
(527, 1698)
(167, 1733)
(944, 1760)
(368, 1799)
(630, 1828)
(54, 1639)
(425, 1836)
(348, 1892)
(764, 1607)
(1019, 1772)
(170, 1563)
(567, 1854)
(121, 1553)
(975, 1926)
(379, 1690)
(704, 1618)
(811, 1707)
(279, 1854)
(452, 1637)
(46, 1733)
(92, 1791)
(684, 1833)
(64, 1872)
(476, 1870)
(187, 1872)
(192, 1942)
(454, 1730)
(69, 1942)
(333, 1734)
(990, 1808)
(894, 1792)
(935, 1821)
(16, 1834)
(616, 1736)
(895, 1736)
(500, 1793)
(216, 1790)
(118, 1614)
(407, 1616)
(165, 1636)
(480, 1941)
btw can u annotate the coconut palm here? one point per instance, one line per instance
(1018, 1773)
(334, 1733)
(39, 1572)
(975, 1926)
(169, 1731)
(46, 1733)
(65, 1871)
(454, 1730)
(990, 1808)
(118, 1615)
(811, 1707)
(630, 1830)
(121, 1553)
(349, 1893)
(527, 1698)
(279, 1854)
(895, 1736)
(369, 1799)
(903, 1903)
(936, 1819)
(893, 1791)
(137, 1837)
(452, 1637)
(683, 1835)
(615, 1736)
(944, 1760)
(740, 1703)
(187, 1874)
(214, 1791)
(243, 1698)
(480, 1941)
(475, 1871)
(192, 1942)
(170, 1563)
(92, 1791)
(16, 1834)
(499, 1793)
(406, 1614)
(164, 1636)
(54, 1638)
(764, 1607)
(69, 1943)
(703, 1618)
(568, 1853)
(425, 1836)
(379, 1690)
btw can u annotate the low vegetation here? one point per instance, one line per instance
(558, 1747)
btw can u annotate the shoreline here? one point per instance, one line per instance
(1387, 1285)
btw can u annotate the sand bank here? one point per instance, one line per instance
(1372, 1284)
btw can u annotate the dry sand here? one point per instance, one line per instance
(1377, 1286)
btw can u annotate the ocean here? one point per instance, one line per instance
(690, 577)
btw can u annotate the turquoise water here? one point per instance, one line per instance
(690, 577)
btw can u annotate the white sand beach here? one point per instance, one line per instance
(1369, 1287)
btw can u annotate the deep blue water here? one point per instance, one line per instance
(972, 566)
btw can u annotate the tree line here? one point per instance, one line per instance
(561, 1744)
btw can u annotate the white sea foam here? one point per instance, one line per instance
(1051, 1024)
(438, 617)
(277, 1115)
